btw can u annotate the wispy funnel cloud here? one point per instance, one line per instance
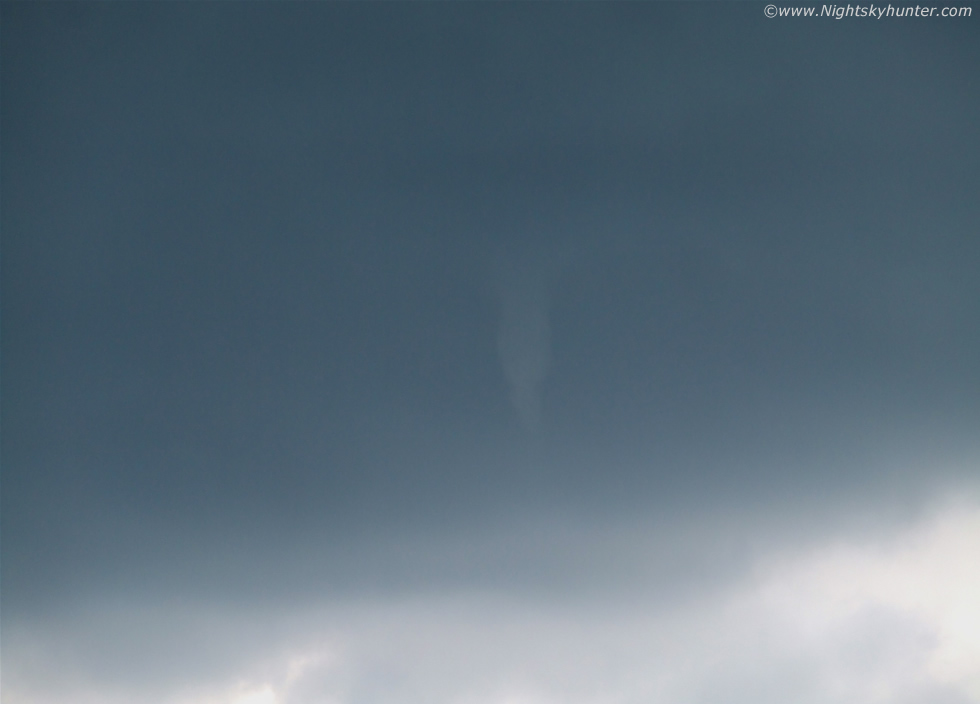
(524, 337)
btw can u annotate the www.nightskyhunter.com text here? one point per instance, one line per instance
(877, 12)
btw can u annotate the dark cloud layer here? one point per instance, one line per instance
(319, 285)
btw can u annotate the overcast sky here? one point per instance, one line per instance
(488, 353)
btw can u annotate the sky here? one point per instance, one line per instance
(488, 353)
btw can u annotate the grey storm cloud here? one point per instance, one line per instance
(488, 353)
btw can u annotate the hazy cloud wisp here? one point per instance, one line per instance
(524, 337)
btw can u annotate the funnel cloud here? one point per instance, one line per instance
(524, 339)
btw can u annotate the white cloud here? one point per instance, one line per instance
(265, 695)
(891, 619)
(927, 579)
